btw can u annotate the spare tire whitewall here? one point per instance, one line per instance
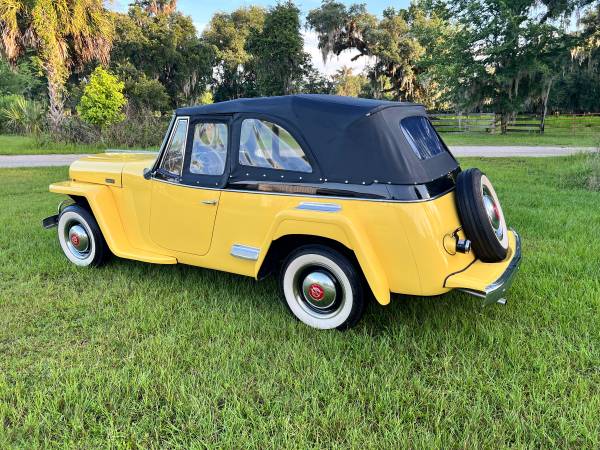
(322, 288)
(494, 211)
(481, 215)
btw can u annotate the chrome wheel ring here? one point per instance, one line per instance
(493, 211)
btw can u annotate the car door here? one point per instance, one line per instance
(186, 184)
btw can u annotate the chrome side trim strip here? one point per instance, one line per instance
(245, 252)
(324, 197)
(323, 207)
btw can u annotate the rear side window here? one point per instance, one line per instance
(422, 137)
(267, 145)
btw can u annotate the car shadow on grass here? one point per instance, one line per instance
(444, 312)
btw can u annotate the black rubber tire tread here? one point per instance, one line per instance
(474, 218)
(354, 276)
(103, 253)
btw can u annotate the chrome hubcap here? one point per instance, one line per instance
(492, 211)
(77, 240)
(319, 291)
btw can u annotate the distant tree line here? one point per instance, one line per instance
(460, 55)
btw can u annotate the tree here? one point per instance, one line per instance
(395, 46)
(20, 79)
(102, 101)
(162, 47)
(227, 35)
(278, 51)
(505, 57)
(313, 81)
(346, 83)
(578, 88)
(156, 7)
(66, 34)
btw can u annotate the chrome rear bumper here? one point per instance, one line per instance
(495, 292)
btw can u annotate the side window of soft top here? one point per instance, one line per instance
(172, 160)
(270, 146)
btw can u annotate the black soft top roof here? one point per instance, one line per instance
(352, 139)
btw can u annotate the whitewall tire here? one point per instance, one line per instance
(80, 237)
(322, 288)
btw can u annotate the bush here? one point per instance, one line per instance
(19, 115)
(102, 101)
(140, 129)
(74, 130)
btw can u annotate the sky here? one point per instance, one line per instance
(202, 11)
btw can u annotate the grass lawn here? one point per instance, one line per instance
(135, 355)
(551, 138)
(28, 145)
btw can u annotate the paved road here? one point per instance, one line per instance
(492, 152)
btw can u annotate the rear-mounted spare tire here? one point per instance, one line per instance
(481, 215)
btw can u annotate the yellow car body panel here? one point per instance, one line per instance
(102, 202)
(104, 168)
(479, 275)
(399, 245)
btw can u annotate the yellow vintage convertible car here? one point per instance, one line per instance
(342, 197)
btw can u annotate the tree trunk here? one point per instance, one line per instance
(56, 112)
(545, 95)
(504, 119)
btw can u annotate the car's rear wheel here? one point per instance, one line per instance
(481, 215)
(80, 237)
(322, 288)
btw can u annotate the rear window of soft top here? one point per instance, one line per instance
(422, 137)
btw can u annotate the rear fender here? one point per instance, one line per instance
(335, 226)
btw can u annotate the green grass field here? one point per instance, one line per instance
(133, 355)
(551, 138)
(563, 131)
(28, 145)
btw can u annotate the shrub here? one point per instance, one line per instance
(74, 130)
(140, 129)
(19, 115)
(102, 101)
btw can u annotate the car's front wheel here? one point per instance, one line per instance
(80, 237)
(322, 288)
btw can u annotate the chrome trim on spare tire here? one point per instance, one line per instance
(245, 252)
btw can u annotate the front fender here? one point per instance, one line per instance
(336, 226)
(106, 213)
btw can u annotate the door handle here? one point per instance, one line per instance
(209, 202)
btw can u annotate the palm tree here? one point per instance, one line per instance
(157, 7)
(63, 33)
